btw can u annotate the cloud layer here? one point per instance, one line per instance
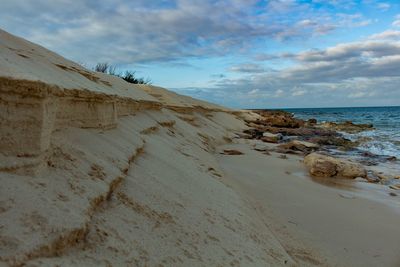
(262, 47)
(138, 31)
(356, 73)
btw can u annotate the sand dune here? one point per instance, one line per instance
(95, 171)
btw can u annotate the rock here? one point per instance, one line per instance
(338, 141)
(312, 121)
(347, 126)
(303, 131)
(297, 145)
(243, 136)
(260, 147)
(392, 194)
(360, 179)
(322, 168)
(277, 118)
(368, 162)
(232, 152)
(368, 154)
(372, 177)
(385, 177)
(347, 196)
(254, 133)
(271, 138)
(395, 186)
(327, 166)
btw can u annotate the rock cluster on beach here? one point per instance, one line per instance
(282, 127)
(296, 136)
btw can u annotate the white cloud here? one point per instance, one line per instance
(247, 68)
(386, 35)
(298, 92)
(357, 95)
(279, 93)
(396, 23)
(384, 6)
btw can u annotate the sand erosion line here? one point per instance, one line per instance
(77, 236)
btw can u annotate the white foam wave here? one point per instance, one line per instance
(377, 142)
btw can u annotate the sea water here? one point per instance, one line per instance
(383, 140)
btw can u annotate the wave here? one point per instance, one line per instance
(384, 143)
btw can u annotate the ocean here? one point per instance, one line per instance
(384, 140)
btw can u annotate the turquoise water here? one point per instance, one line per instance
(384, 140)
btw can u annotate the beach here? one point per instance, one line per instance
(99, 172)
(322, 224)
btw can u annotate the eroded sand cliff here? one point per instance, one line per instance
(98, 171)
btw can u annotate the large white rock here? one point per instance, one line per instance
(326, 166)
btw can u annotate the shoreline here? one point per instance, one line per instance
(329, 138)
(309, 211)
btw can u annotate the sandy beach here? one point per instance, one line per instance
(320, 224)
(95, 171)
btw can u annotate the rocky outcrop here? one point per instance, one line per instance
(297, 146)
(327, 166)
(347, 126)
(277, 118)
(337, 141)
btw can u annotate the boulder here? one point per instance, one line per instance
(296, 145)
(253, 133)
(327, 166)
(261, 147)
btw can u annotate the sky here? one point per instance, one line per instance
(238, 53)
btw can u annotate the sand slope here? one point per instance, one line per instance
(96, 171)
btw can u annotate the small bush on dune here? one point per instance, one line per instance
(101, 67)
(128, 76)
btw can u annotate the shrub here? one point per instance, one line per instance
(128, 76)
(102, 67)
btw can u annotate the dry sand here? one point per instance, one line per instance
(98, 172)
(338, 224)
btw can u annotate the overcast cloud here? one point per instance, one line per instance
(242, 53)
